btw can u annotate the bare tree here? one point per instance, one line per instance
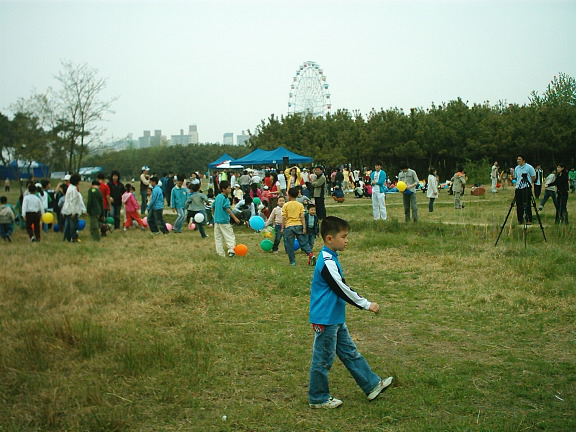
(73, 113)
(82, 107)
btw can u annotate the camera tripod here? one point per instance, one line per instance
(528, 198)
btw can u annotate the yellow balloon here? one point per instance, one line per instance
(47, 218)
(401, 186)
(267, 234)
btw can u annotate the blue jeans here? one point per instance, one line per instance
(290, 233)
(409, 200)
(70, 227)
(179, 220)
(549, 194)
(6, 230)
(277, 237)
(311, 237)
(143, 197)
(335, 339)
(431, 205)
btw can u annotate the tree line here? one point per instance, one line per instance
(164, 159)
(59, 127)
(444, 136)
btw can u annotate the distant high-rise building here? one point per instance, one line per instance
(144, 141)
(193, 134)
(241, 139)
(228, 138)
(150, 141)
(190, 138)
(180, 139)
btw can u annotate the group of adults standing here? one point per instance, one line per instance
(528, 179)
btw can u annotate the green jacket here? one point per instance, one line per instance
(95, 206)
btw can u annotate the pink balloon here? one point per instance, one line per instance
(145, 221)
(169, 227)
(192, 226)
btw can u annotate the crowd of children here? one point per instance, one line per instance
(251, 194)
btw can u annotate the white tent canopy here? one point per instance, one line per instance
(226, 165)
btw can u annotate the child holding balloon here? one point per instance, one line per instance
(196, 205)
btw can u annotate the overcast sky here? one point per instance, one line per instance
(226, 65)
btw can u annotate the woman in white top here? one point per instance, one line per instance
(432, 192)
(72, 209)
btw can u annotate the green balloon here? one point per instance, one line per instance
(266, 245)
(256, 201)
(109, 220)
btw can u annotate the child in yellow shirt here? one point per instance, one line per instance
(293, 226)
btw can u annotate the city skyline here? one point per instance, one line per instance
(227, 65)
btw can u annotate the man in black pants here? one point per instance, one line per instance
(525, 176)
(319, 185)
(538, 181)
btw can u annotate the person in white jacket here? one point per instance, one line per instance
(432, 191)
(32, 211)
(72, 209)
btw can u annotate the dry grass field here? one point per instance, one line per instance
(143, 333)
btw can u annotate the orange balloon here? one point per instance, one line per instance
(241, 250)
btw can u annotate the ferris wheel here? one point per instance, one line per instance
(309, 91)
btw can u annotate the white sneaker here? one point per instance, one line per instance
(382, 385)
(329, 404)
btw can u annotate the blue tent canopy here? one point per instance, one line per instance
(225, 157)
(251, 158)
(21, 169)
(272, 157)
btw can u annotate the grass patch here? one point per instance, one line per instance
(158, 333)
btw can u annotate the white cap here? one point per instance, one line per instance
(145, 168)
(67, 177)
(265, 187)
(38, 185)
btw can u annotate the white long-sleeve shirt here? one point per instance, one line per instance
(73, 204)
(432, 187)
(32, 204)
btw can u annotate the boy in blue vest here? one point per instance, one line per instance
(328, 299)
(155, 208)
(178, 196)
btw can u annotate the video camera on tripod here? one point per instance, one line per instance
(527, 199)
(524, 182)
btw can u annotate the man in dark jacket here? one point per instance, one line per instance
(95, 209)
(169, 187)
(116, 191)
(319, 185)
